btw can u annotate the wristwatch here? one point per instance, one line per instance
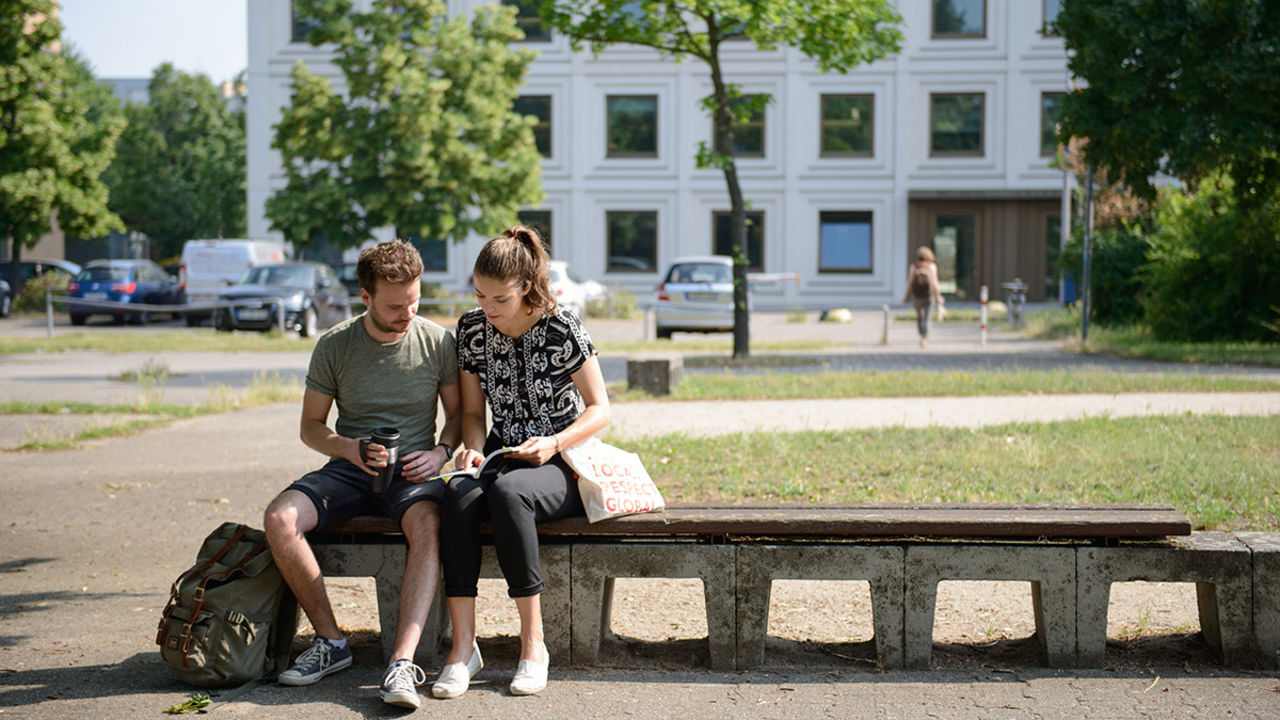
(448, 451)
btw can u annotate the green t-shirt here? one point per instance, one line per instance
(385, 385)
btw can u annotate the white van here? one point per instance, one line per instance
(209, 266)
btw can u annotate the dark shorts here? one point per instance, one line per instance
(340, 490)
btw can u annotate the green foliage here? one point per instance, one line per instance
(31, 298)
(619, 302)
(1175, 86)
(837, 34)
(58, 128)
(1119, 253)
(424, 139)
(179, 171)
(1214, 266)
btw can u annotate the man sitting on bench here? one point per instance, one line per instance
(385, 368)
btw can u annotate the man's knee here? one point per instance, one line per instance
(291, 514)
(421, 523)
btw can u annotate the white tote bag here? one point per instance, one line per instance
(612, 481)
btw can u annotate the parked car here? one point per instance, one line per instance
(124, 281)
(6, 302)
(29, 268)
(696, 295)
(313, 297)
(210, 266)
(569, 291)
(347, 274)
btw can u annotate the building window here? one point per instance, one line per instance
(435, 253)
(847, 125)
(748, 134)
(1051, 10)
(633, 241)
(1050, 106)
(844, 242)
(528, 20)
(959, 18)
(955, 125)
(539, 220)
(538, 106)
(301, 26)
(632, 122)
(723, 244)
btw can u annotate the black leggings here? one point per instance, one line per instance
(521, 496)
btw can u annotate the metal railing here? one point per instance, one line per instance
(276, 302)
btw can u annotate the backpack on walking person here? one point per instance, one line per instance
(920, 286)
(220, 628)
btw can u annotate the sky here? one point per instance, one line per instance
(129, 38)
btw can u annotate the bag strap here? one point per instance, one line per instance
(198, 596)
(175, 592)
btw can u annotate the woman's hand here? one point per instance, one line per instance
(536, 450)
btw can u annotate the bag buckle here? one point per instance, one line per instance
(198, 595)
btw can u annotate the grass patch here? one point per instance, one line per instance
(265, 389)
(1135, 341)
(711, 344)
(1219, 471)
(162, 341)
(923, 383)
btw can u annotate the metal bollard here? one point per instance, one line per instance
(48, 310)
(982, 297)
(884, 336)
(280, 315)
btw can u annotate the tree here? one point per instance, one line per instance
(424, 140)
(837, 34)
(179, 171)
(58, 129)
(1183, 88)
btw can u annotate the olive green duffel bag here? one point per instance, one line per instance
(220, 626)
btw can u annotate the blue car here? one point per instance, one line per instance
(139, 282)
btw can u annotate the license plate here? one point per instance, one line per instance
(252, 314)
(95, 296)
(703, 296)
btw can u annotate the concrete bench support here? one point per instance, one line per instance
(760, 565)
(1266, 595)
(595, 565)
(385, 564)
(1050, 569)
(1217, 563)
(655, 375)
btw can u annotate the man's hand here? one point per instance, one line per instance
(467, 458)
(368, 456)
(422, 465)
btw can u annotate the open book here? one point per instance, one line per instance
(490, 464)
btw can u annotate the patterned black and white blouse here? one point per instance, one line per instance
(527, 380)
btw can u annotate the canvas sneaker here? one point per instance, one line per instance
(315, 662)
(400, 684)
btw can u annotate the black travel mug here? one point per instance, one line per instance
(388, 438)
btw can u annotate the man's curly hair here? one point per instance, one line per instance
(395, 261)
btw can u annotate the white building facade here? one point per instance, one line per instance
(946, 144)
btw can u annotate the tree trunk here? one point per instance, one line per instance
(723, 131)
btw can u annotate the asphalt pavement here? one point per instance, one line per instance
(91, 538)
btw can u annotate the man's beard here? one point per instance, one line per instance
(381, 326)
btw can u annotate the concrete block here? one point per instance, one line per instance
(1217, 563)
(655, 375)
(760, 565)
(1265, 548)
(1050, 569)
(594, 565)
(385, 564)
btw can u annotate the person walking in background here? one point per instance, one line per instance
(534, 365)
(923, 292)
(384, 368)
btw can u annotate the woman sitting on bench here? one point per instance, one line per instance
(534, 364)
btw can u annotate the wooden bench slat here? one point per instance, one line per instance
(1083, 521)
